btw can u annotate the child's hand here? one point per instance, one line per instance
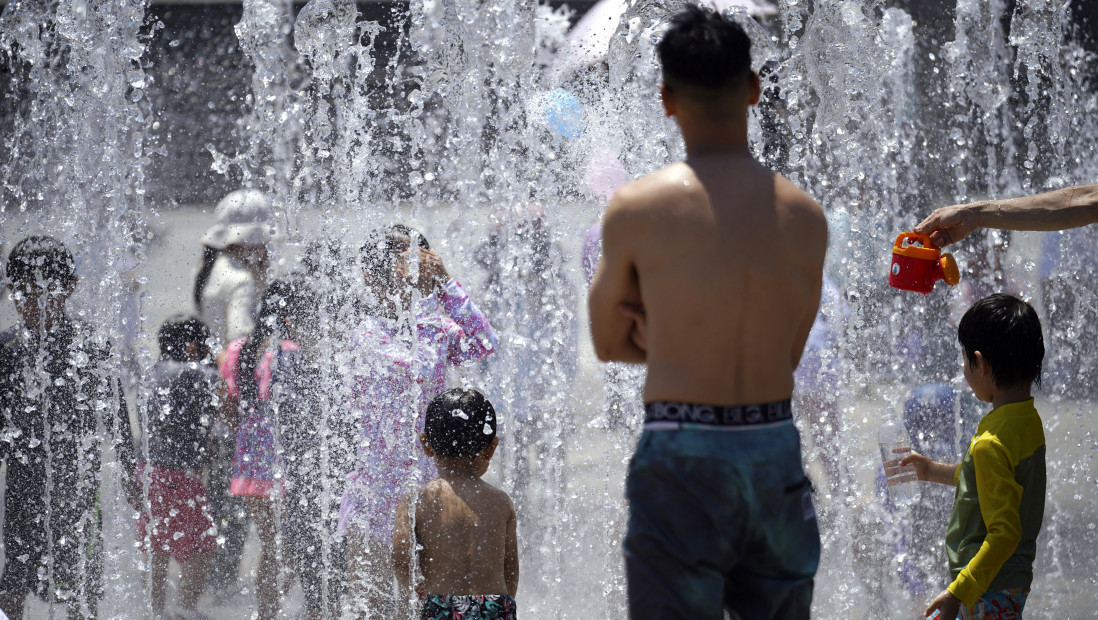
(639, 333)
(921, 463)
(947, 606)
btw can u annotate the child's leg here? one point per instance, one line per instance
(192, 578)
(159, 561)
(262, 511)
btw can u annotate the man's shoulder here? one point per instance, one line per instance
(644, 200)
(652, 190)
(797, 202)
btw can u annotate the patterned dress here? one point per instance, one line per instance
(255, 461)
(397, 374)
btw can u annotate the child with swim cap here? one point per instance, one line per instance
(458, 528)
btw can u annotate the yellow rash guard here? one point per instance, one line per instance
(999, 505)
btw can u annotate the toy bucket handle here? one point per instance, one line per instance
(914, 236)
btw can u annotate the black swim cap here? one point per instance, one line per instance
(460, 423)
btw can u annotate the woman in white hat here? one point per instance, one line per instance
(233, 275)
(227, 290)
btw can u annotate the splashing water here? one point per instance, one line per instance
(457, 117)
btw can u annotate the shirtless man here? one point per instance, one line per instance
(711, 275)
(463, 531)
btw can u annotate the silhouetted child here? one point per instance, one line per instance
(999, 504)
(181, 410)
(463, 527)
(61, 402)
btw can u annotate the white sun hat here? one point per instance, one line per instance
(243, 217)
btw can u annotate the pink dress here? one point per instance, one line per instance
(396, 376)
(255, 461)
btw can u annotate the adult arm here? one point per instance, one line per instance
(616, 283)
(805, 328)
(999, 495)
(240, 311)
(475, 339)
(1064, 208)
(810, 233)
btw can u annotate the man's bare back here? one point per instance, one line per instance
(467, 531)
(726, 258)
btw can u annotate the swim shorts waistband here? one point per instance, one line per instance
(662, 415)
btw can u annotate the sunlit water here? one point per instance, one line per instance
(499, 157)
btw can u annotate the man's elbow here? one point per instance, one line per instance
(619, 353)
(604, 351)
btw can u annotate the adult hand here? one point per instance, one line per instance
(949, 224)
(946, 605)
(639, 333)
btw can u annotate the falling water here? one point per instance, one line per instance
(461, 118)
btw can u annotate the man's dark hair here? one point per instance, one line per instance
(704, 50)
(178, 332)
(460, 423)
(1007, 332)
(41, 262)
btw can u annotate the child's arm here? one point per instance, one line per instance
(404, 546)
(929, 470)
(1000, 497)
(510, 556)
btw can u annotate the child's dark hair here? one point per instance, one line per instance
(460, 423)
(1007, 332)
(41, 261)
(379, 251)
(178, 332)
(285, 299)
(704, 50)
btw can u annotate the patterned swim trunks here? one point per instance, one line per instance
(468, 607)
(999, 605)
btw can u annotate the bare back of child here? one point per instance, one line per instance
(464, 528)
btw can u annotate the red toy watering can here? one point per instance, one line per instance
(918, 267)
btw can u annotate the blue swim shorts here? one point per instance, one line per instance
(721, 518)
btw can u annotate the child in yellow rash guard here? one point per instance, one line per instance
(1000, 500)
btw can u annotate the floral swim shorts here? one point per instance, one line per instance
(468, 607)
(998, 605)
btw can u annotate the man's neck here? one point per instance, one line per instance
(707, 138)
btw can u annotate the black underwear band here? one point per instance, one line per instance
(718, 415)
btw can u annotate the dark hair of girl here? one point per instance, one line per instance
(381, 248)
(209, 257)
(284, 299)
